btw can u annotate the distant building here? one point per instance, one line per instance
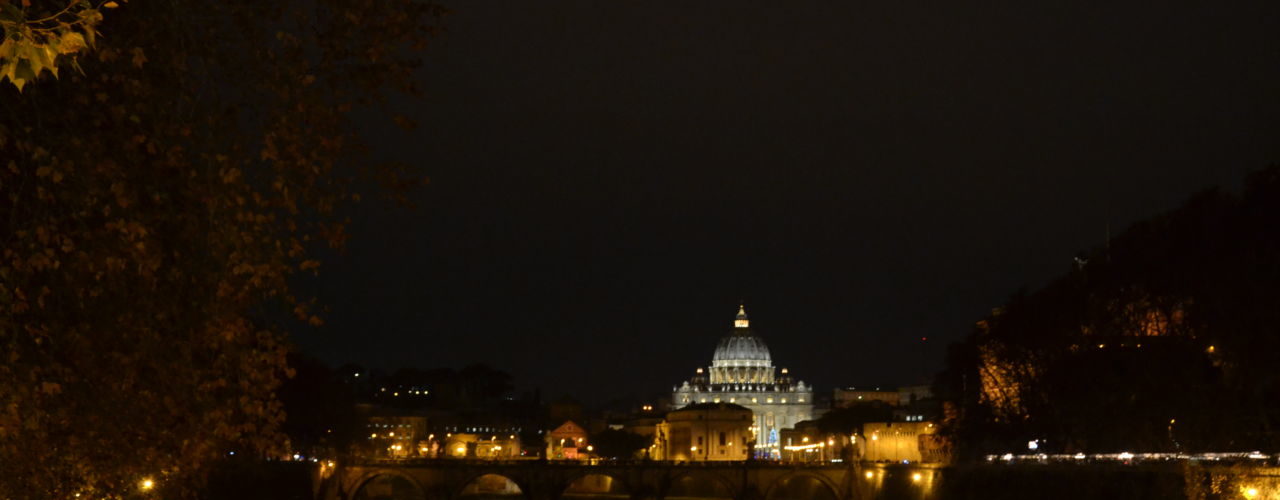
(643, 423)
(807, 443)
(703, 432)
(567, 442)
(849, 396)
(898, 441)
(394, 436)
(911, 394)
(480, 446)
(742, 373)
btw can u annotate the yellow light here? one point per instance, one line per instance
(374, 435)
(589, 448)
(147, 484)
(1211, 349)
(461, 449)
(1251, 493)
(916, 477)
(875, 437)
(693, 448)
(806, 439)
(831, 442)
(869, 475)
(392, 434)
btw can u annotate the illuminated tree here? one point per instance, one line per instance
(152, 211)
(1164, 339)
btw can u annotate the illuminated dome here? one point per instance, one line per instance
(741, 347)
(741, 356)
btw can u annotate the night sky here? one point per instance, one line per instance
(609, 179)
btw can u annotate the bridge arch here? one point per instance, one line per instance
(802, 486)
(596, 484)
(702, 484)
(387, 484)
(489, 485)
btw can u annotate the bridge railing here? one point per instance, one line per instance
(518, 462)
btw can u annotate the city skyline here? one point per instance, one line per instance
(602, 194)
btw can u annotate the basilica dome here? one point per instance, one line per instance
(741, 357)
(741, 345)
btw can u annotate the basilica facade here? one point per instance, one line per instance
(742, 373)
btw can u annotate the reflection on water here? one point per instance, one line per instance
(801, 488)
(688, 488)
(491, 487)
(388, 487)
(894, 482)
(889, 482)
(596, 486)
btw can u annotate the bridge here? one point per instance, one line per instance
(647, 480)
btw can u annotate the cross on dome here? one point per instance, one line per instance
(741, 321)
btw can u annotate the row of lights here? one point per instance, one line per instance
(915, 477)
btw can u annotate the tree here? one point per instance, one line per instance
(45, 35)
(152, 211)
(849, 420)
(617, 444)
(1164, 339)
(319, 409)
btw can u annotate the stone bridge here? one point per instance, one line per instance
(553, 480)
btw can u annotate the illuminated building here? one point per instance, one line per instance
(704, 432)
(898, 441)
(567, 442)
(480, 446)
(742, 373)
(395, 436)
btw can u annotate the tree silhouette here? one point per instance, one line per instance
(1164, 339)
(152, 211)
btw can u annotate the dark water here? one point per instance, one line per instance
(984, 482)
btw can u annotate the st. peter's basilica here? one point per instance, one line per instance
(742, 373)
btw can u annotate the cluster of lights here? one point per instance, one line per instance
(414, 392)
(915, 477)
(1130, 456)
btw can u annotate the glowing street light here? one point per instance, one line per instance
(146, 484)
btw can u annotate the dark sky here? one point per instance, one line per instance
(609, 178)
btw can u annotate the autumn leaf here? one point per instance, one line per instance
(139, 58)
